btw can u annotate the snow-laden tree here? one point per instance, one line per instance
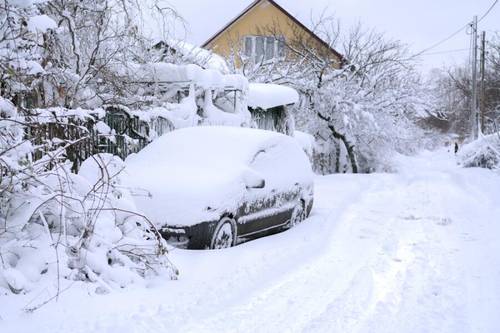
(452, 92)
(21, 52)
(71, 53)
(364, 108)
(491, 102)
(55, 224)
(92, 39)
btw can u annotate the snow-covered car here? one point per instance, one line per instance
(214, 187)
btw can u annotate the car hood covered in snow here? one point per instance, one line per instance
(196, 174)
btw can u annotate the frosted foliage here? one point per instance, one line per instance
(360, 112)
(484, 153)
(56, 225)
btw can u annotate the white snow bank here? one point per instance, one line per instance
(188, 170)
(484, 152)
(77, 227)
(266, 96)
(414, 251)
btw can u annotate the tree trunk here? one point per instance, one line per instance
(348, 145)
(337, 156)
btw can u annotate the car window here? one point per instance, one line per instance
(271, 163)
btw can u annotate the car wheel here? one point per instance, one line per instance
(224, 235)
(298, 214)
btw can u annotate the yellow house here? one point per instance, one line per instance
(262, 31)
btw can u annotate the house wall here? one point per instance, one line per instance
(258, 21)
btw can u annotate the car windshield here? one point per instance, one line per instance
(209, 147)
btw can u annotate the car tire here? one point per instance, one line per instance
(224, 235)
(298, 214)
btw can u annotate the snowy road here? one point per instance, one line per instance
(416, 251)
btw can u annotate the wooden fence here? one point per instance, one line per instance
(129, 134)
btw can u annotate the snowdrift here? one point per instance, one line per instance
(482, 153)
(56, 225)
(88, 230)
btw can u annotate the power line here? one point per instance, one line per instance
(488, 11)
(444, 52)
(458, 31)
(443, 40)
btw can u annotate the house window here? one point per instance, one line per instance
(248, 47)
(280, 47)
(260, 48)
(264, 48)
(270, 41)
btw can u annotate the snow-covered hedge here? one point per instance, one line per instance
(483, 153)
(55, 224)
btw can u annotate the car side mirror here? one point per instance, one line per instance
(253, 180)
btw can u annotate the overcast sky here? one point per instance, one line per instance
(417, 23)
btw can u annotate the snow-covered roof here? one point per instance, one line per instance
(200, 56)
(266, 96)
(186, 74)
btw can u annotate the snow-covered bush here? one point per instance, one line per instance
(483, 153)
(55, 224)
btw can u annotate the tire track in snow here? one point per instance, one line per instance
(302, 295)
(398, 280)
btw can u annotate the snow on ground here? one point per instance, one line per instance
(415, 251)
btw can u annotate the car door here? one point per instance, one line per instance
(269, 207)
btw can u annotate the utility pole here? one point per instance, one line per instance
(482, 87)
(474, 113)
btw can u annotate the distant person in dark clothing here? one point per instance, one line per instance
(456, 148)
